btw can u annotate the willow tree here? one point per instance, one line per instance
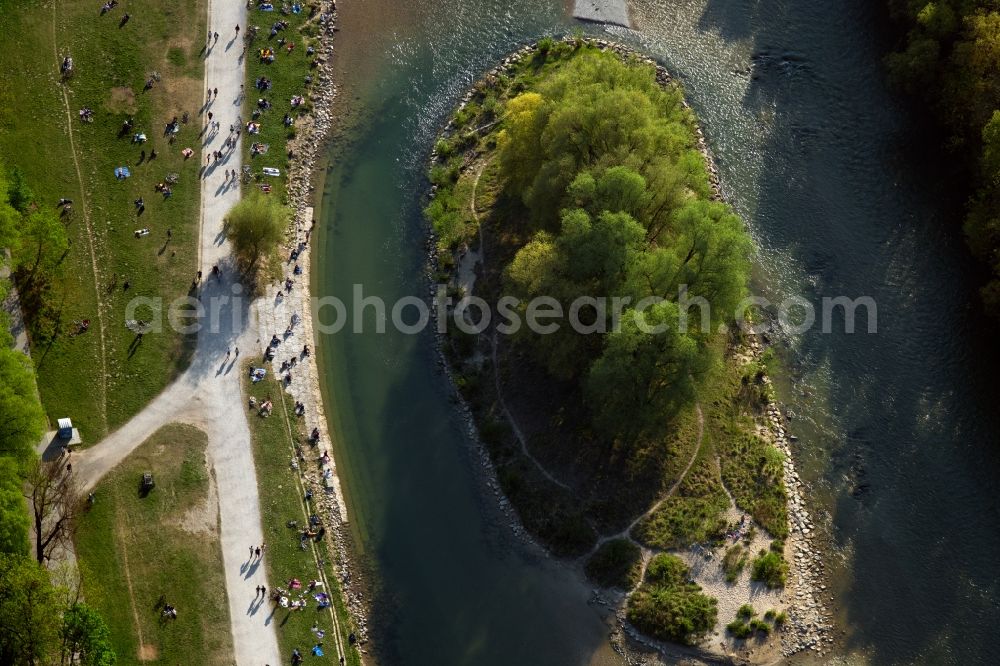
(255, 226)
(606, 162)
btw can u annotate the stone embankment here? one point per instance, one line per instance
(305, 153)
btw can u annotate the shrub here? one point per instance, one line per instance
(670, 608)
(770, 568)
(615, 564)
(739, 629)
(443, 149)
(745, 612)
(733, 563)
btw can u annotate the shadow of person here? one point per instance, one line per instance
(251, 569)
(134, 346)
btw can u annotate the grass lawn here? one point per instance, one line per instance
(101, 378)
(135, 550)
(287, 74)
(281, 493)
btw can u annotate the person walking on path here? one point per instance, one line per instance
(256, 551)
(228, 353)
(237, 352)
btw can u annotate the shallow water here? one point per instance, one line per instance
(815, 154)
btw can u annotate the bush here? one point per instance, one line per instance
(745, 625)
(770, 568)
(670, 608)
(745, 612)
(615, 564)
(739, 629)
(443, 149)
(733, 563)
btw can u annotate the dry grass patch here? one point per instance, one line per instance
(121, 100)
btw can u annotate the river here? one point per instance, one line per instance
(898, 429)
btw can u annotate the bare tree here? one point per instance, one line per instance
(54, 503)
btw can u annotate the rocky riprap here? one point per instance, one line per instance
(305, 154)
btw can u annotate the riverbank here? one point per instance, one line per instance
(461, 152)
(304, 147)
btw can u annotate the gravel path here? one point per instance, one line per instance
(208, 394)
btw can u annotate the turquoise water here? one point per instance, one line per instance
(898, 430)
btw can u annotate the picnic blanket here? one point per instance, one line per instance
(121, 173)
(257, 374)
(271, 171)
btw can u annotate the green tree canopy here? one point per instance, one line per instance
(9, 217)
(255, 226)
(594, 114)
(647, 371)
(22, 420)
(43, 241)
(86, 636)
(606, 161)
(14, 520)
(29, 612)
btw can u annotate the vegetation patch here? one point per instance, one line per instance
(617, 563)
(734, 562)
(279, 67)
(769, 568)
(748, 625)
(668, 606)
(693, 515)
(135, 554)
(948, 58)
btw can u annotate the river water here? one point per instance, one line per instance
(898, 429)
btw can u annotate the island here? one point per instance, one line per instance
(633, 427)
